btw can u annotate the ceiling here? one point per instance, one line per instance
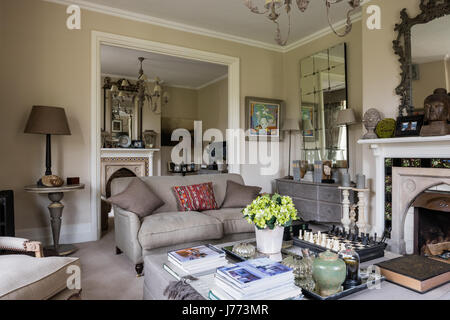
(229, 19)
(430, 42)
(177, 72)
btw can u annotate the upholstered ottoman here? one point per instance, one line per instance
(27, 278)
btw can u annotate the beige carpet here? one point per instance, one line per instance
(105, 275)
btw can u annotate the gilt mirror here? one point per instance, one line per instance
(423, 47)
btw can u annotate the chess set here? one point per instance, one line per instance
(367, 246)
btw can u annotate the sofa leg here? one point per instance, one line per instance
(139, 268)
(118, 251)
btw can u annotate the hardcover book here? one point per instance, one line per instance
(196, 254)
(417, 273)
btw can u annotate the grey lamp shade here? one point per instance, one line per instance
(47, 120)
(346, 116)
(290, 125)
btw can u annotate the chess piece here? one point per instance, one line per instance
(312, 237)
(437, 113)
(370, 120)
(375, 238)
(336, 246)
(332, 231)
(329, 243)
(300, 234)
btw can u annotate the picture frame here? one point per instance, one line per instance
(116, 126)
(264, 118)
(409, 126)
(138, 144)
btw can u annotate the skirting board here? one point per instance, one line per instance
(75, 233)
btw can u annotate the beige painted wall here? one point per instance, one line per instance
(213, 106)
(381, 75)
(45, 63)
(354, 80)
(432, 76)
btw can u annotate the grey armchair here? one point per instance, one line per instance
(24, 277)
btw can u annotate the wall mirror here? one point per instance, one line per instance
(423, 47)
(323, 87)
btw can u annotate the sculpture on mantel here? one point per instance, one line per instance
(370, 120)
(437, 113)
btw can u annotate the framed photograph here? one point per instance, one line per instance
(409, 126)
(307, 117)
(263, 117)
(138, 144)
(116, 126)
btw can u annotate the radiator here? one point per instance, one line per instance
(7, 213)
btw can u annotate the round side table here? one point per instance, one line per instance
(56, 194)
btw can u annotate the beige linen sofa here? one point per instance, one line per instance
(169, 229)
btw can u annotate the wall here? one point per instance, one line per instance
(45, 63)
(354, 83)
(381, 75)
(432, 76)
(213, 105)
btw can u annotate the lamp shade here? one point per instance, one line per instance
(346, 116)
(290, 125)
(47, 120)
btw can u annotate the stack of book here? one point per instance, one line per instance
(198, 259)
(257, 279)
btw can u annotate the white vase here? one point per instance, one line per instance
(269, 241)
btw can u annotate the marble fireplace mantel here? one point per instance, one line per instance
(408, 147)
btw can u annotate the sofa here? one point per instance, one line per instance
(168, 228)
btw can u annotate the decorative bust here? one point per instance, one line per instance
(437, 113)
(370, 120)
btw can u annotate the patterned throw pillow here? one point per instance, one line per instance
(197, 197)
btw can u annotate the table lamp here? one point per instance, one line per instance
(346, 117)
(290, 125)
(48, 121)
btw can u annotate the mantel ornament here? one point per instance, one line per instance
(370, 120)
(437, 113)
(430, 10)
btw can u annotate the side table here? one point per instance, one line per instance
(56, 194)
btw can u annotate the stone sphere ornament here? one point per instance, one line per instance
(52, 181)
(386, 128)
(370, 120)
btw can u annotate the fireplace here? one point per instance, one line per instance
(432, 224)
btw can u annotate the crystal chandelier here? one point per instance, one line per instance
(273, 8)
(141, 93)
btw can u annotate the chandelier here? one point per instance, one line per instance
(141, 93)
(273, 8)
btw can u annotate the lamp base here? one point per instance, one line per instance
(289, 178)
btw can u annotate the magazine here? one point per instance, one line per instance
(247, 273)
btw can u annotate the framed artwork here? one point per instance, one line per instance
(116, 126)
(409, 126)
(263, 117)
(308, 122)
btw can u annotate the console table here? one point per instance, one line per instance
(55, 195)
(319, 202)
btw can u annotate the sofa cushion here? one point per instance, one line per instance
(27, 278)
(239, 195)
(232, 219)
(169, 228)
(196, 197)
(138, 198)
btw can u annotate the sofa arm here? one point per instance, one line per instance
(126, 228)
(21, 245)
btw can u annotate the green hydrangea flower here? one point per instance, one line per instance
(268, 212)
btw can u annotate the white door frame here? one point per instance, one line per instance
(101, 38)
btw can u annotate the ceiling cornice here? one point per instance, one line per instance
(202, 31)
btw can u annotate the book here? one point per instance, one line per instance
(205, 266)
(288, 292)
(255, 272)
(196, 255)
(417, 273)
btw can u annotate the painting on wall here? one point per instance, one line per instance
(263, 117)
(308, 122)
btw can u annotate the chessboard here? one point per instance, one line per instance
(368, 247)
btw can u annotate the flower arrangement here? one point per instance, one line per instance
(270, 211)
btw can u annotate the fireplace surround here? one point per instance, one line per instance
(407, 183)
